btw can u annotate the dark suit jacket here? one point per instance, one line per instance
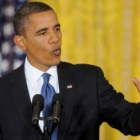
(88, 100)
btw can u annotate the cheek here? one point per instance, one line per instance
(43, 52)
(39, 49)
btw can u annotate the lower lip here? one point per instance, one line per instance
(58, 52)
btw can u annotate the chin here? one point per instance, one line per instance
(55, 63)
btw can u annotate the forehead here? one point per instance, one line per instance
(43, 18)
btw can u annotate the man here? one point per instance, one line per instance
(87, 97)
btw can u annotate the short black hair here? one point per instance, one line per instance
(21, 16)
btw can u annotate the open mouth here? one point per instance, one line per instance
(57, 52)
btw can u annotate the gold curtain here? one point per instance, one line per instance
(104, 33)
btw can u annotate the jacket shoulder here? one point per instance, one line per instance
(8, 77)
(81, 67)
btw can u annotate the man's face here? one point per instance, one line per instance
(42, 40)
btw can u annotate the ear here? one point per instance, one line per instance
(20, 42)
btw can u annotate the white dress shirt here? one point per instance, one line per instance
(34, 81)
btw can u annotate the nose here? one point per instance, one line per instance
(54, 37)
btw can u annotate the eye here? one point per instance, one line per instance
(57, 28)
(42, 33)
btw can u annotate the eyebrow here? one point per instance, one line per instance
(44, 29)
(57, 25)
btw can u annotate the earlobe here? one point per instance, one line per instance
(20, 42)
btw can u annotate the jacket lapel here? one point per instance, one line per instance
(67, 86)
(20, 96)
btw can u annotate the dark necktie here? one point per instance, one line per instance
(48, 92)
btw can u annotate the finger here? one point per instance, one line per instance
(136, 83)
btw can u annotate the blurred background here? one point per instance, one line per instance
(99, 32)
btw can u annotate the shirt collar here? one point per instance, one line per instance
(33, 74)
